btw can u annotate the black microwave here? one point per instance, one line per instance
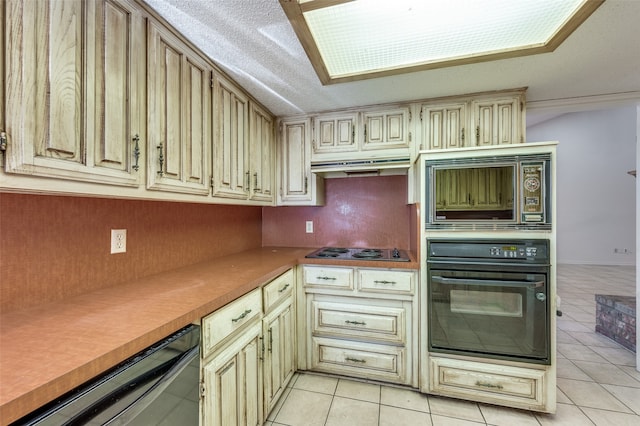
(482, 193)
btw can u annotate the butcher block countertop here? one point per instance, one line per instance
(48, 350)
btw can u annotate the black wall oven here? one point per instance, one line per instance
(489, 298)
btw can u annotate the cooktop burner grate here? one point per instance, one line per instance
(393, 255)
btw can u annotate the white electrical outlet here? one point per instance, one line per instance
(309, 227)
(118, 241)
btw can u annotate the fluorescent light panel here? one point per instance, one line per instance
(363, 38)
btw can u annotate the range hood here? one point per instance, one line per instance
(357, 168)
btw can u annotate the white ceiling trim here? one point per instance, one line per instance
(583, 103)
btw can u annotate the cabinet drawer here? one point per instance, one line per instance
(505, 385)
(377, 323)
(384, 281)
(337, 278)
(277, 290)
(223, 322)
(364, 360)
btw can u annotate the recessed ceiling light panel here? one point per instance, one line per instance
(351, 40)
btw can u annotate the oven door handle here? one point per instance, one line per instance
(492, 283)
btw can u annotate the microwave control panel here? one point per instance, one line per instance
(532, 207)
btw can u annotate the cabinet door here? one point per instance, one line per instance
(459, 184)
(73, 88)
(334, 133)
(179, 120)
(232, 176)
(497, 122)
(386, 129)
(261, 154)
(444, 125)
(233, 383)
(487, 188)
(279, 354)
(298, 186)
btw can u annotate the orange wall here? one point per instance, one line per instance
(359, 212)
(53, 246)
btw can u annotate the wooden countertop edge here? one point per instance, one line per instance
(16, 403)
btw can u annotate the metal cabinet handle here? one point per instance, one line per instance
(286, 286)
(242, 315)
(247, 180)
(261, 348)
(3, 141)
(488, 385)
(462, 134)
(270, 340)
(161, 159)
(356, 322)
(136, 151)
(326, 278)
(255, 182)
(355, 360)
(384, 282)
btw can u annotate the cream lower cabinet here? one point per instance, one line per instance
(247, 358)
(278, 330)
(231, 363)
(492, 383)
(232, 383)
(360, 323)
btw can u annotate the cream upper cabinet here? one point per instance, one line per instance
(178, 114)
(335, 133)
(361, 134)
(231, 145)
(444, 125)
(473, 120)
(74, 89)
(262, 158)
(498, 121)
(387, 128)
(244, 146)
(298, 186)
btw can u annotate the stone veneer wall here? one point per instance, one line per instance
(616, 319)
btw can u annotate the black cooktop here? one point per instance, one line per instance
(342, 253)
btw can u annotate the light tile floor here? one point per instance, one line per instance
(597, 380)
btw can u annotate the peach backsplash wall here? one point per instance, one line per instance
(359, 212)
(52, 247)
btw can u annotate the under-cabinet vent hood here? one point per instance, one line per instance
(356, 168)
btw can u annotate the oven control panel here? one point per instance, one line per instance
(513, 251)
(530, 250)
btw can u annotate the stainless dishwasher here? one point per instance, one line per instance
(157, 386)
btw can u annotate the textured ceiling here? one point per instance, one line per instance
(254, 43)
